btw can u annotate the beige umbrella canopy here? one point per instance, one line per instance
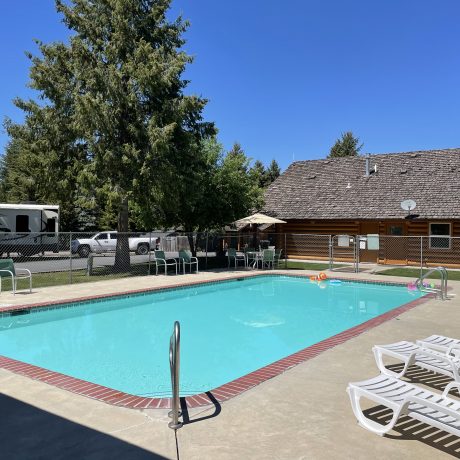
(258, 219)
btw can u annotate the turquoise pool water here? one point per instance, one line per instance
(227, 330)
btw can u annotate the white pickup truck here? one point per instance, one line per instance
(107, 242)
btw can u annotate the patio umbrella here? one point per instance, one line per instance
(258, 219)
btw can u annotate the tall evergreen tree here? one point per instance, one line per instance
(258, 173)
(264, 176)
(118, 87)
(236, 151)
(18, 178)
(273, 172)
(346, 146)
(41, 162)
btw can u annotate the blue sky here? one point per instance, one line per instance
(286, 78)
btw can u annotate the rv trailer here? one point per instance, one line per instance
(28, 229)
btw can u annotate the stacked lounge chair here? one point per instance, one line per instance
(435, 353)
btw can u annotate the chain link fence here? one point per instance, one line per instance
(71, 258)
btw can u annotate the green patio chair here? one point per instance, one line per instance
(268, 258)
(161, 261)
(277, 257)
(7, 270)
(187, 259)
(233, 255)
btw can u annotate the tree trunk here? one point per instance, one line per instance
(191, 242)
(122, 256)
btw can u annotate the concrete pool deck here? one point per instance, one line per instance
(302, 414)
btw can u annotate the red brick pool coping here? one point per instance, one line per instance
(222, 393)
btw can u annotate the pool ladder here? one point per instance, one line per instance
(441, 292)
(174, 365)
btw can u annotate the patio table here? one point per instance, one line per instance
(256, 256)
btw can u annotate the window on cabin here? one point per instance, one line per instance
(22, 223)
(395, 230)
(439, 236)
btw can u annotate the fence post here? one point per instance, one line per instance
(331, 262)
(206, 260)
(70, 249)
(150, 249)
(358, 250)
(285, 252)
(421, 257)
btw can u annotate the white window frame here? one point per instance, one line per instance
(440, 236)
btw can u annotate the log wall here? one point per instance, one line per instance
(307, 239)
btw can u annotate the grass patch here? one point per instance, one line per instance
(415, 273)
(78, 276)
(101, 274)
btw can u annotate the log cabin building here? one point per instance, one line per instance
(362, 196)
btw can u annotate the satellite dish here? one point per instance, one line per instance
(408, 205)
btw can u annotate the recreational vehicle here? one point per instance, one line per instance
(28, 229)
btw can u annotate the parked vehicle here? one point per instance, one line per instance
(107, 242)
(29, 229)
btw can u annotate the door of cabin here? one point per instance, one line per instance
(396, 244)
(366, 255)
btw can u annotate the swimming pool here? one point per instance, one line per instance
(228, 329)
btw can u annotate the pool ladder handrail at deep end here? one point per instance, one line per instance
(442, 292)
(174, 364)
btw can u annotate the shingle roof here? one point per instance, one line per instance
(338, 188)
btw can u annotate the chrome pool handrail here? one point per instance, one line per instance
(174, 365)
(442, 292)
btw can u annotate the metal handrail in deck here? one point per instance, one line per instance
(442, 292)
(174, 364)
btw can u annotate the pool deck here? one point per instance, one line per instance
(303, 413)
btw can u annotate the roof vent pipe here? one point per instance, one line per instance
(368, 157)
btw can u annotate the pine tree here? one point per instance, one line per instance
(236, 151)
(272, 173)
(258, 173)
(118, 88)
(346, 146)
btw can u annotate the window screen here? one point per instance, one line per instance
(395, 230)
(437, 231)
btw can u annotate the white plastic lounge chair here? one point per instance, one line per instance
(440, 343)
(7, 270)
(405, 398)
(411, 354)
